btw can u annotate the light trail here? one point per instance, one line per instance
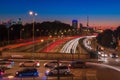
(72, 45)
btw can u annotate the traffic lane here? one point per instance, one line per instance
(105, 73)
(108, 74)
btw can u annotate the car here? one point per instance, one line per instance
(52, 64)
(27, 72)
(2, 71)
(6, 65)
(77, 64)
(102, 54)
(7, 61)
(113, 55)
(31, 63)
(63, 70)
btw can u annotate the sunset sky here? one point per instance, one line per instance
(100, 12)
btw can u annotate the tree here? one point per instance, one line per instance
(107, 39)
(3, 33)
(117, 32)
(14, 31)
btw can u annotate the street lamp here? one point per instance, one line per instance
(9, 29)
(33, 14)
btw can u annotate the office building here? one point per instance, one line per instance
(75, 23)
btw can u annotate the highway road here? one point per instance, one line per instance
(102, 71)
(40, 45)
(72, 45)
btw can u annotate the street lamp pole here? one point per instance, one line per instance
(31, 13)
(9, 30)
(8, 37)
(21, 33)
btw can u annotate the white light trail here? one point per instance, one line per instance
(73, 45)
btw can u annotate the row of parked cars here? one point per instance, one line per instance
(53, 67)
(5, 64)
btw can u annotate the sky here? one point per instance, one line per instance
(100, 12)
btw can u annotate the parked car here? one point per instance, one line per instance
(77, 64)
(27, 72)
(5, 65)
(2, 71)
(63, 70)
(31, 63)
(52, 64)
(7, 61)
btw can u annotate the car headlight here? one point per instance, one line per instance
(38, 64)
(16, 72)
(106, 55)
(20, 64)
(116, 55)
(47, 71)
(45, 64)
(110, 55)
(102, 55)
(69, 65)
(99, 53)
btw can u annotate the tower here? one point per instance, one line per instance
(87, 21)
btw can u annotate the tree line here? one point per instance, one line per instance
(109, 38)
(18, 31)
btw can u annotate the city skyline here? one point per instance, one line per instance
(101, 13)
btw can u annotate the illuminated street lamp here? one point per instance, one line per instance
(31, 13)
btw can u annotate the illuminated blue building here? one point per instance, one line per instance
(75, 23)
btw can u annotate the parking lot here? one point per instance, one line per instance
(77, 73)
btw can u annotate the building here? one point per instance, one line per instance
(19, 21)
(75, 23)
(81, 26)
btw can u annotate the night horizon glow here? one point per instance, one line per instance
(101, 13)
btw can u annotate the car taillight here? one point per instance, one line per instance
(1, 72)
(16, 72)
(48, 70)
(8, 64)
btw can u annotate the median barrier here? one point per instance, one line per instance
(43, 55)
